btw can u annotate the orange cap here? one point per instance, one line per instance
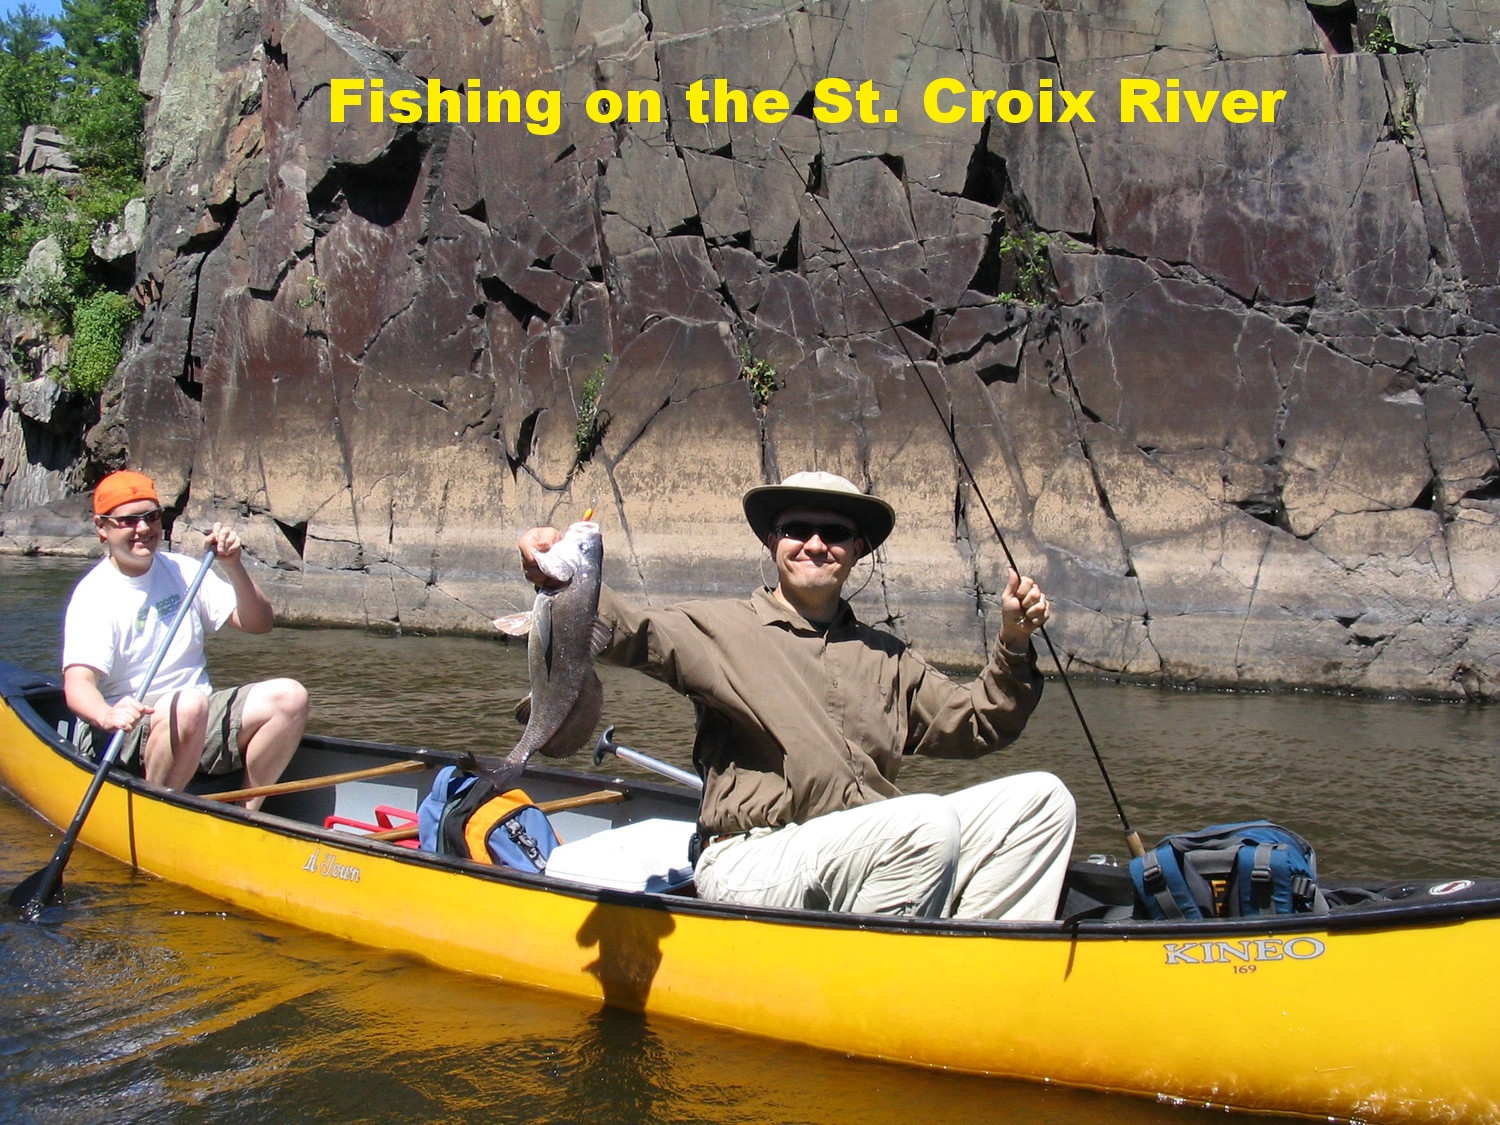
(122, 487)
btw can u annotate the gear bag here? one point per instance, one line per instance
(465, 816)
(1239, 870)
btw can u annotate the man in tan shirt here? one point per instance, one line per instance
(804, 716)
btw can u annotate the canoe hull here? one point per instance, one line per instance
(1376, 1022)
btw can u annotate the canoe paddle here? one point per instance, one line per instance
(607, 745)
(39, 889)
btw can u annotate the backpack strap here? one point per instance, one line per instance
(455, 818)
(1262, 892)
(1154, 879)
(1305, 891)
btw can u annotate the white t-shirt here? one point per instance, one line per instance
(116, 623)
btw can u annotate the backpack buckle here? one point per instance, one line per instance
(1262, 891)
(1304, 890)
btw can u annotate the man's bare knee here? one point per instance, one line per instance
(271, 699)
(191, 707)
(292, 698)
(175, 742)
(186, 719)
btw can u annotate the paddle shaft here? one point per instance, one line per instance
(301, 785)
(48, 878)
(692, 780)
(1132, 837)
(562, 804)
(607, 745)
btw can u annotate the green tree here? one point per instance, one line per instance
(101, 110)
(31, 68)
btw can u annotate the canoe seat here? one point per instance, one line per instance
(386, 817)
(649, 855)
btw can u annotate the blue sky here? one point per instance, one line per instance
(40, 7)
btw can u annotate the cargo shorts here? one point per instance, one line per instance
(221, 745)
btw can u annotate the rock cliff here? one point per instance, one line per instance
(1230, 386)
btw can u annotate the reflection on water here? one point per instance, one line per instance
(145, 1002)
(628, 942)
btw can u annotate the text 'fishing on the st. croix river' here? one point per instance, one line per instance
(945, 101)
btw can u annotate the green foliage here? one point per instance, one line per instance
(99, 327)
(1406, 120)
(589, 431)
(105, 130)
(40, 207)
(31, 70)
(316, 292)
(1381, 38)
(79, 73)
(103, 37)
(31, 206)
(86, 85)
(99, 108)
(1025, 255)
(761, 376)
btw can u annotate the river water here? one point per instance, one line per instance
(145, 1002)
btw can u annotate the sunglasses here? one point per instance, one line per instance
(137, 520)
(832, 534)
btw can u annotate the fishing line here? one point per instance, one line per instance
(868, 577)
(1132, 838)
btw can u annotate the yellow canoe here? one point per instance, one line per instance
(1385, 1012)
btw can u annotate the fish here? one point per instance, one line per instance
(566, 697)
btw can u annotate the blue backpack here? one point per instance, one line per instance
(464, 815)
(1240, 870)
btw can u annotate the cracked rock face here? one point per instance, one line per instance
(1231, 390)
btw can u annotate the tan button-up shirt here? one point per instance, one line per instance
(795, 722)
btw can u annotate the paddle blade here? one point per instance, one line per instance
(34, 893)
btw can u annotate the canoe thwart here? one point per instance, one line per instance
(301, 785)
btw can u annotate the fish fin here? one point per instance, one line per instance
(502, 774)
(514, 624)
(523, 709)
(602, 634)
(576, 729)
(541, 633)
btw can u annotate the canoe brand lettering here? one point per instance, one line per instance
(327, 864)
(1248, 952)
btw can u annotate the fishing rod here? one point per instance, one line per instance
(1132, 837)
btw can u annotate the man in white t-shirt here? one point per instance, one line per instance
(118, 616)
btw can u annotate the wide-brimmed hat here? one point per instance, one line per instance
(832, 493)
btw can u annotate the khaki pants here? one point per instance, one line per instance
(997, 850)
